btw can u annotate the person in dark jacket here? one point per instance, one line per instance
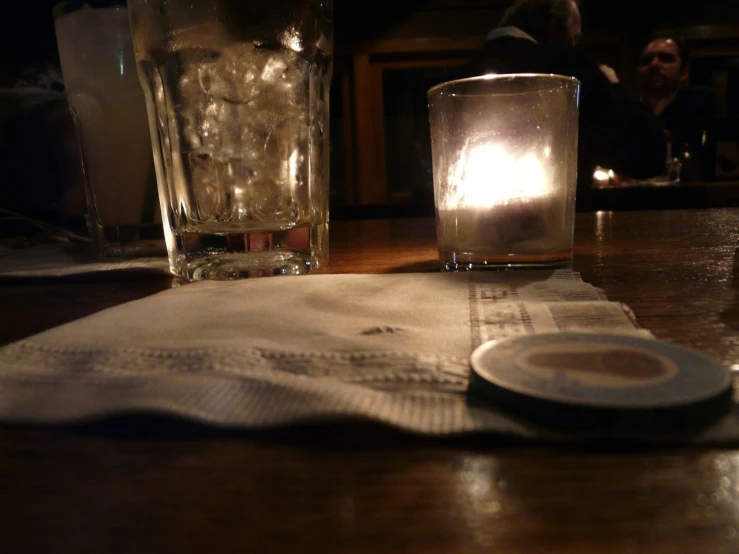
(617, 130)
(683, 109)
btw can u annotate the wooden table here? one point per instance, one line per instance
(131, 487)
(687, 194)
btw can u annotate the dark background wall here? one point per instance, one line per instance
(27, 27)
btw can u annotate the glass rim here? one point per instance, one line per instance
(552, 77)
(68, 6)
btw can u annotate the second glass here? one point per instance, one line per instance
(238, 98)
(107, 105)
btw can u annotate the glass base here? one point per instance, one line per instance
(228, 256)
(455, 261)
(124, 242)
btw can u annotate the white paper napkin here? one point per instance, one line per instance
(276, 351)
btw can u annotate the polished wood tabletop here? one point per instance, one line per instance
(134, 485)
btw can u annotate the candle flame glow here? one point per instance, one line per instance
(603, 177)
(486, 175)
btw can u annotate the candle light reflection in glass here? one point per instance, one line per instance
(486, 175)
(498, 203)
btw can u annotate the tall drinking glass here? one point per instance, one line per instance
(109, 111)
(237, 93)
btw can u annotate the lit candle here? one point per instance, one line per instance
(505, 165)
(498, 203)
(603, 178)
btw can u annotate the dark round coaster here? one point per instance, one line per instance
(601, 381)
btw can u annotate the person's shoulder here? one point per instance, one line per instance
(570, 57)
(516, 55)
(504, 54)
(510, 43)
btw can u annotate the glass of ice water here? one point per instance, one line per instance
(109, 111)
(237, 93)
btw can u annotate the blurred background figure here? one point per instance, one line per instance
(617, 131)
(684, 110)
(664, 76)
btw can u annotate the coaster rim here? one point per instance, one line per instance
(487, 364)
